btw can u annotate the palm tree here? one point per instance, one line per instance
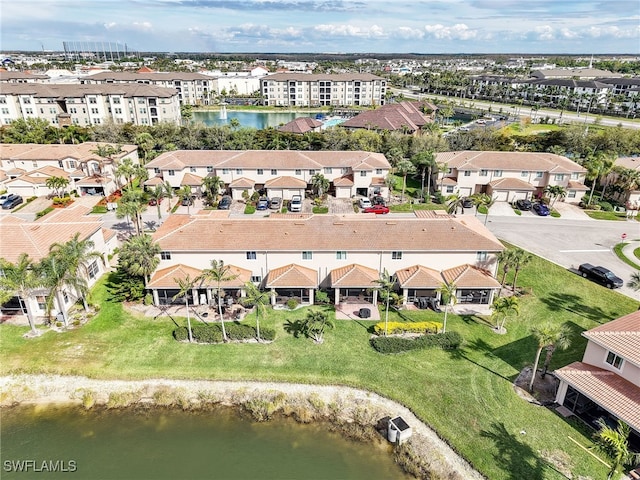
(454, 201)
(20, 279)
(502, 308)
(56, 276)
(521, 258)
(139, 256)
(77, 255)
(219, 273)
(184, 194)
(404, 167)
(57, 184)
(615, 445)
(448, 297)
(315, 323)
(212, 186)
(484, 200)
(320, 183)
(550, 336)
(426, 162)
(634, 283)
(185, 287)
(157, 194)
(259, 300)
(168, 191)
(555, 192)
(506, 258)
(385, 285)
(145, 143)
(126, 169)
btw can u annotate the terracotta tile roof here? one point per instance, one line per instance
(36, 151)
(152, 182)
(354, 276)
(242, 182)
(285, 182)
(610, 391)
(191, 180)
(292, 276)
(392, 116)
(206, 233)
(166, 277)
(418, 277)
(468, 276)
(346, 181)
(449, 181)
(433, 214)
(92, 180)
(73, 90)
(632, 163)
(573, 185)
(301, 125)
(621, 336)
(513, 161)
(511, 184)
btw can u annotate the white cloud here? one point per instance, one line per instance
(409, 33)
(458, 31)
(544, 32)
(569, 34)
(142, 25)
(350, 31)
(110, 25)
(613, 32)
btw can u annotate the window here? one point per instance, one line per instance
(165, 255)
(575, 176)
(328, 170)
(344, 170)
(171, 173)
(260, 171)
(558, 177)
(256, 278)
(93, 269)
(298, 172)
(251, 255)
(614, 360)
(72, 164)
(92, 100)
(483, 173)
(209, 169)
(274, 171)
(449, 188)
(312, 172)
(378, 171)
(539, 174)
(481, 256)
(524, 173)
(363, 173)
(497, 173)
(341, 255)
(307, 255)
(116, 100)
(5, 111)
(571, 194)
(42, 301)
(192, 169)
(60, 164)
(238, 171)
(467, 173)
(226, 171)
(156, 170)
(396, 255)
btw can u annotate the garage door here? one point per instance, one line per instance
(501, 195)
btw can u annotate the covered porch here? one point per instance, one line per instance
(418, 282)
(474, 286)
(354, 284)
(292, 282)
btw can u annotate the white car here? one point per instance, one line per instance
(365, 202)
(295, 204)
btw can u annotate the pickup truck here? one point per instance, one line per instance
(601, 275)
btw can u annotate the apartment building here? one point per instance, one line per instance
(71, 104)
(606, 383)
(282, 173)
(509, 176)
(315, 90)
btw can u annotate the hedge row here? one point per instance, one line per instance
(394, 328)
(445, 341)
(213, 333)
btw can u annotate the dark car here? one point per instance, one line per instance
(378, 200)
(187, 202)
(377, 209)
(12, 202)
(524, 204)
(225, 203)
(275, 203)
(467, 202)
(541, 209)
(153, 202)
(262, 204)
(602, 275)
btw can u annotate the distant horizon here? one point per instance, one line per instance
(431, 27)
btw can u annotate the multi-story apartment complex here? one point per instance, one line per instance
(282, 173)
(314, 90)
(67, 104)
(509, 176)
(191, 88)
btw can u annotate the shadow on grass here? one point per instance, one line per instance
(575, 304)
(515, 456)
(475, 319)
(459, 354)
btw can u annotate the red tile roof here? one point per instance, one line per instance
(610, 391)
(511, 184)
(419, 277)
(393, 116)
(513, 161)
(292, 276)
(354, 276)
(166, 277)
(468, 276)
(301, 125)
(621, 336)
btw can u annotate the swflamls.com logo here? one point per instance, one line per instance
(39, 466)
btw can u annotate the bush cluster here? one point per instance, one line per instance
(394, 328)
(445, 341)
(213, 333)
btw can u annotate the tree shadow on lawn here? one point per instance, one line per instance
(575, 305)
(515, 456)
(475, 319)
(460, 354)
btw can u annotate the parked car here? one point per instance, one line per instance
(467, 202)
(378, 200)
(262, 204)
(275, 203)
(377, 209)
(153, 202)
(541, 209)
(523, 204)
(186, 202)
(601, 275)
(12, 202)
(365, 202)
(225, 203)
(6, 196)
(295, 204)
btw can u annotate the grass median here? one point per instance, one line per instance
(466, 396)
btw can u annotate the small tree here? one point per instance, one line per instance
(219, 273)
(259, 300)
(385, 285)
(550, 336)
(320, 183)
(521, 258)
(634, 283)
(454, 202)
(157, 194)
(20, 279)
(506, 258)
(503, 307)
(185, 287)
(448, 298)
(615, 445)
(555, 192)
(404, 167)
(315, 324)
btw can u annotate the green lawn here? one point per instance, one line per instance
(519, 128)
(602, 215)
(467, 395)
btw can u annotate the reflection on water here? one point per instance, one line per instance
(258, 120)
(156, 444)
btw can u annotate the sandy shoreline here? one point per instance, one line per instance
(30, 389)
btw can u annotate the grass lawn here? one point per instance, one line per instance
(602, 215)
(466, 396)
(519, 128)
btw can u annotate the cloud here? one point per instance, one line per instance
(110, 25)
(142, 25)
(374, 31)
(458, 31)
(544, 33)
(614, 32)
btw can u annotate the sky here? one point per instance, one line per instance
(329, 26)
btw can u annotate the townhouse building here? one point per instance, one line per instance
(315, 90)
(281, 173)
(606, 383)
(13, 76)
(509, 176)
(71, 104)
(26, 167)
(192, 88)
(294, 255)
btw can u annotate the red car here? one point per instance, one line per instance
(377, 209)
(153, 202)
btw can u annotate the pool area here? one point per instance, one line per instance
(332, 122)
(260, 120)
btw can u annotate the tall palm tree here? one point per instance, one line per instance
(219, 273)
(185, 286)
(634, 283)
(139, 256)
(57, 277)
(259, 300)
(404, 167)
(615, 445)
(184, 193)
(506, 258)
(385, 285)
(550, 336)
(169, 193)
(555, 192)
(425, 162)
(20, 279)
(77, 255)
(454, 201)
(157, 194)
(502, 308)
(448, 297)
(132, 205)
(212, 186)
(521, 258)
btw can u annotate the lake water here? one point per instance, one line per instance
(258, 120)
(172, 444)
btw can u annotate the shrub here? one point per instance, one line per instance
(213, 333)
(148, 299)
(407, 327)
(99, 209)
(42, 213)
(122, 399)
(321, 297)
(445, 341)
(249, 209)
(606, 206)
(320, 210)
(292, 303)
(439, 198)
